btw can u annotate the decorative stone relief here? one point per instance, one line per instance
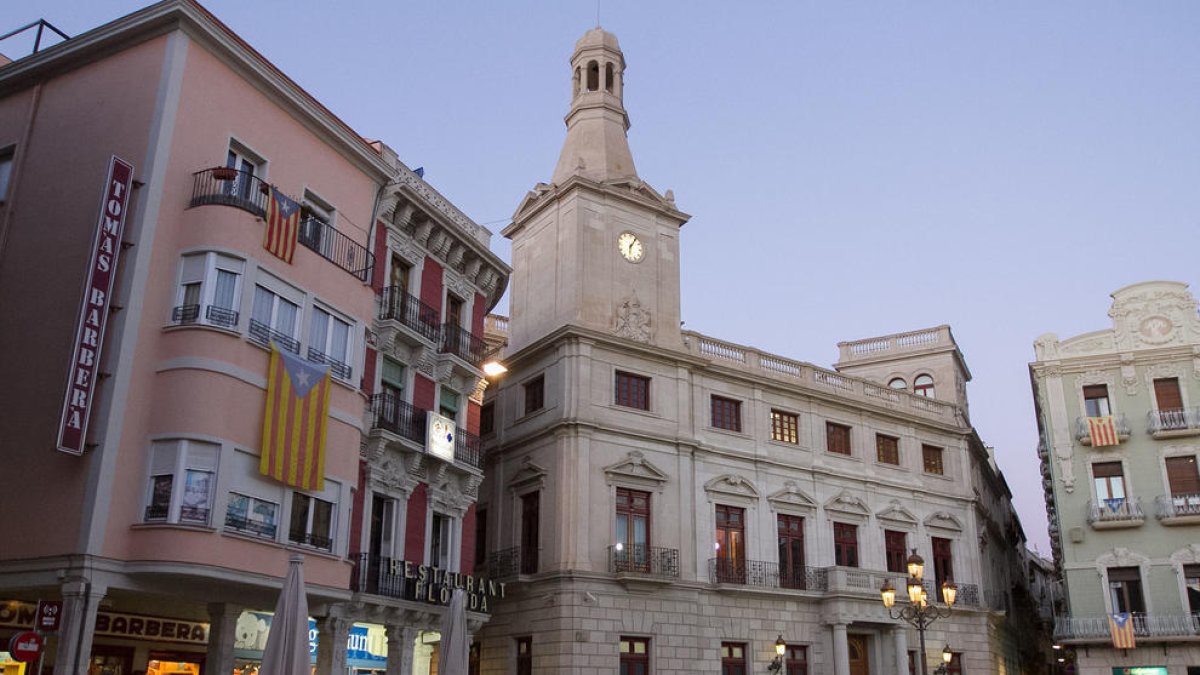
(458, 285)
(1102, 343)
(1046, 347)
(632, 321)
(444, 372)
(944, 521)
(1154, 314)
(1188, 555)
(426, 364)
(477, 392)
(1164, 370)
(846, 502)
(791, 496)
(732, 485)
(1120, 557)
(529, 476)
(1129, 375)
(419, 186)
(897, 514)
(636, 469)
(407, 249)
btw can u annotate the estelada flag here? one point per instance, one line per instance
(1103, 431)
(293, 446)
(283, 225)
(1120, 626)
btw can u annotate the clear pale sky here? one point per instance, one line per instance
(852, 169)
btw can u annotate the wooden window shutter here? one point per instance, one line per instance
(1182, 475)
(1166, 392)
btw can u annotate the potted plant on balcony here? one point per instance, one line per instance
(224, 173)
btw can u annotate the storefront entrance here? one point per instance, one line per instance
(860, 663)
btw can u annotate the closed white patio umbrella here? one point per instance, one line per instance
(286, 652)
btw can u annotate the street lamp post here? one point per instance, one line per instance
(918, 613)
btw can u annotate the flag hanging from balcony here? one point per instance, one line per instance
(1103, 431)
(293, 447)
(1120, 625)
(283, 225)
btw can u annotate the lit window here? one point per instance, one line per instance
(182, 478)
(785, 427)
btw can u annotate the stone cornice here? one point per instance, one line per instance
(633, 191)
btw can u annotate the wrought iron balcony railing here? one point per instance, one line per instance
(766, 574)
(221, 316)
(156, 512)
(1083, 433)
(397, 305)
(246, 525)
(1145, 626)
(340, 370)
(309, 539)
(1175, 422)
(1177, 506)
(243, 190)
(264, 334)
(392, 413)
(643, 560)
(467, 448)
(1115, 512)
(185, 314)
(324, 240)
(463, 344)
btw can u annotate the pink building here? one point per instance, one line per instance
(134, 420)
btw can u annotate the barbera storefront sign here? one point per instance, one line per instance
(93, 313)
(118, 625)
(436, 585)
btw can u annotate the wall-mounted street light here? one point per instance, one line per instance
(780, 648)
(919, 613)
(494, 368)
(947, 657)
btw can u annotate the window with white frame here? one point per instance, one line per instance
(210, 290)
(312, 521)
(441, 541)
(329, 342)
(275, 316)
(249, 167)
(181, 482)
(252, 515)
(316, 215)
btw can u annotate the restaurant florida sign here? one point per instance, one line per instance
(93, 313)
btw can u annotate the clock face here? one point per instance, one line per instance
(630, 247)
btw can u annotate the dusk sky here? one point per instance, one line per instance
(852, 168)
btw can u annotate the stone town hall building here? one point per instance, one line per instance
(667, 502)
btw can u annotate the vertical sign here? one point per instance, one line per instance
(93, 313)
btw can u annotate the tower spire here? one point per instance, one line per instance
(596, 146)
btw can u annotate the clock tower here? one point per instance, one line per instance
(596, 248)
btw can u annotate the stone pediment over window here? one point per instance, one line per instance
(733, 486)
(846, 503)
(529, 477)
(944, 521)
(635, 469)
(897, 514)
(1188, 555)
(791, 498)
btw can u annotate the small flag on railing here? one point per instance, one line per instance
(1120, 626)
(1114, 504)
(1103, 431)
(294, 422)
(283, 225)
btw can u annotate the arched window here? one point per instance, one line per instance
(608, 77)
(578, 74)
(923, 386)
(593, 76)
(898, 383)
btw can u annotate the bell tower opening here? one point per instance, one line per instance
(593, 76)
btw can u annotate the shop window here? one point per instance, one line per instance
(182, 479)
(785, 427)
(329, 342)
(251, 515)
(210, 290)
(311, 522)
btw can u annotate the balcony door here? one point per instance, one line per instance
(530, 520)
(791, 551)
(1125, 590)
(1095, 400)
(731, 544)
(632, 530)
(860, 660)
(1183, 479)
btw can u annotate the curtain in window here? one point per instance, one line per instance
(223, 294)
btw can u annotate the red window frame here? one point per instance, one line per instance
(845, 544)
(887, 449)
(731, 543)
(785, 427)
(791, 551)
(795, 660)
(895, 546)
(632, 391)
(943, 563)
(733, 658)
(633, 661)
(837, 438)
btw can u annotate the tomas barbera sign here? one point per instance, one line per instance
(93, 313)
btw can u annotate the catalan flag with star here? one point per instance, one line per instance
(294, 424)
(283, 225)
(1120, 627)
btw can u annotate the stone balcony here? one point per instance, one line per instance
(1109, 514)
(1147, 627)
(899, 343)
(1178, 509)
(1173, 423)
(1083, 433)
